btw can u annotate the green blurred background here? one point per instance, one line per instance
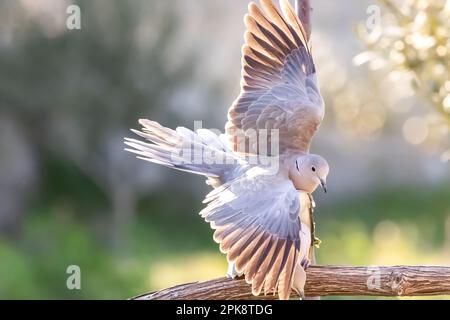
(70, 195)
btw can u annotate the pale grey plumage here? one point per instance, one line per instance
(178, 149)
(279, 88)
(257, 225)
(257, 214)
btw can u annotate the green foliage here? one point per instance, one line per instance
(386, 227)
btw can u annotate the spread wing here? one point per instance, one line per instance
(256, 218)
(279, 89)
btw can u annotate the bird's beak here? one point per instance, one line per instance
(323, 183)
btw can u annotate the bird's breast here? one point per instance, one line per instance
(305, 209)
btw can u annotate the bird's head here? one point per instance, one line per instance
(309, 172)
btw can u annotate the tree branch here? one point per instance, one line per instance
(326, 281)
(303, 9)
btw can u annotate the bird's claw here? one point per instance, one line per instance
(232, 273)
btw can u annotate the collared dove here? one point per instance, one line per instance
(260, 215)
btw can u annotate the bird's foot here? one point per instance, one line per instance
(301, 295)
(232, 273)
(306, 264)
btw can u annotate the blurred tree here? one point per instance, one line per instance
(412, 41)
(18, 176)
(74, 94)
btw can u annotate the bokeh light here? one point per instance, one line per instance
(414, 37)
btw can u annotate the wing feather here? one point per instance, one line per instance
(246, 252)
(287, 276)
(266, 265)
(278, 23)
(291, 17)
(257, 224)
(279, 89)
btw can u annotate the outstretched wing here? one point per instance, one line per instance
(256, 218)
(279, 89)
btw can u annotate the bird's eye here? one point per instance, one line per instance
(314, 169)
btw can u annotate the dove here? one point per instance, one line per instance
(260, 212)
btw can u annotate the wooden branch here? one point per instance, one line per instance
(303, 9)
(326, 281)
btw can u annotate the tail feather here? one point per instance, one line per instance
(202, 153)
